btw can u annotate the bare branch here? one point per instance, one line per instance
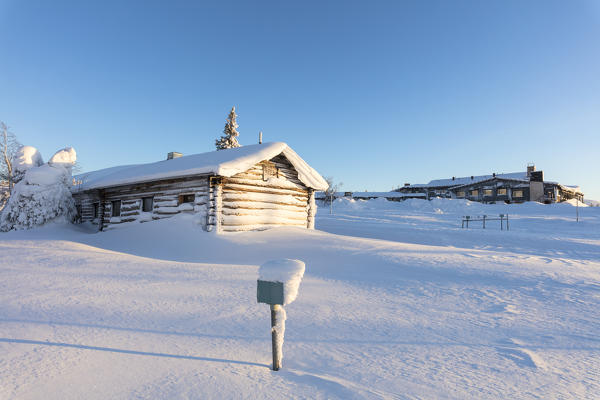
(9, 145)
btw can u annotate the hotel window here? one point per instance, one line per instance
(474, 193)
(518, 193)
(116, 208)
(147, 203)
(460, 194)
(96, 207)
(488, 192)
(501, 192)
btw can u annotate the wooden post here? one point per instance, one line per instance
(275, 337)
(484, 221)
(501, 222)
(507, 222)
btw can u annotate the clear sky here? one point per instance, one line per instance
(372, 93)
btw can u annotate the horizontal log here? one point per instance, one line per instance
(281, 181)
(271, 183)
(252, 219)
(259, 219)
(262, 198)
(256, 227)
(170, 203)
(231, 187)
(128, 213)
(166, 210)
(259, 205)
(287, 181)
(164, 198)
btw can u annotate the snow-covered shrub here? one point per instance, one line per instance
(26, 157)
(42, 195)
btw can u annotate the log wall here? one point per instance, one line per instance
(166, 198)
(267, 195)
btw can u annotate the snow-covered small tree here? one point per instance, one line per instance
(230, 133)
(332, 189)
(42, 195)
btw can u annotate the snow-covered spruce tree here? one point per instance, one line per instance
(42, 195)
(230, 133)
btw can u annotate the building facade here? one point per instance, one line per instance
(515, 187)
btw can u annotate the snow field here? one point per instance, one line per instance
(397, 302)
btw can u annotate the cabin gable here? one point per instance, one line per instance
(266, 195)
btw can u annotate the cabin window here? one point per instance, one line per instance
(501, 192)
(186, 198)
(96, 208)
(487, 192)
(147, 204)
(474, 193)
(116, 208)
(518, 193)
(270, 171)
(460, 194)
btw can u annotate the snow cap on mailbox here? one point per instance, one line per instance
(287, 271)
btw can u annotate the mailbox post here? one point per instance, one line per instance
(276, 286)
(271, 293)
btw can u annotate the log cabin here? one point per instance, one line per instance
(252, 187)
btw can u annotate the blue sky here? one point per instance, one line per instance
(374, 94)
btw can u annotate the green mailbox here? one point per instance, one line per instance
(269, 292)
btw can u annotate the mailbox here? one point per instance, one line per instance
(269, 292)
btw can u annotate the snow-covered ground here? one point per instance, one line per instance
(397, 301)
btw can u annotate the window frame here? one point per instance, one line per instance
(182, 198)
(144, 199)
(114, 209)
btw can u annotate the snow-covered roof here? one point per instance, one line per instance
(222, 163)
(467, 180)
(571, 188)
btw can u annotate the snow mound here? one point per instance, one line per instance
(287, 271)
(26, 157)
(66, 156)
(575, 202)
(44, 175)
